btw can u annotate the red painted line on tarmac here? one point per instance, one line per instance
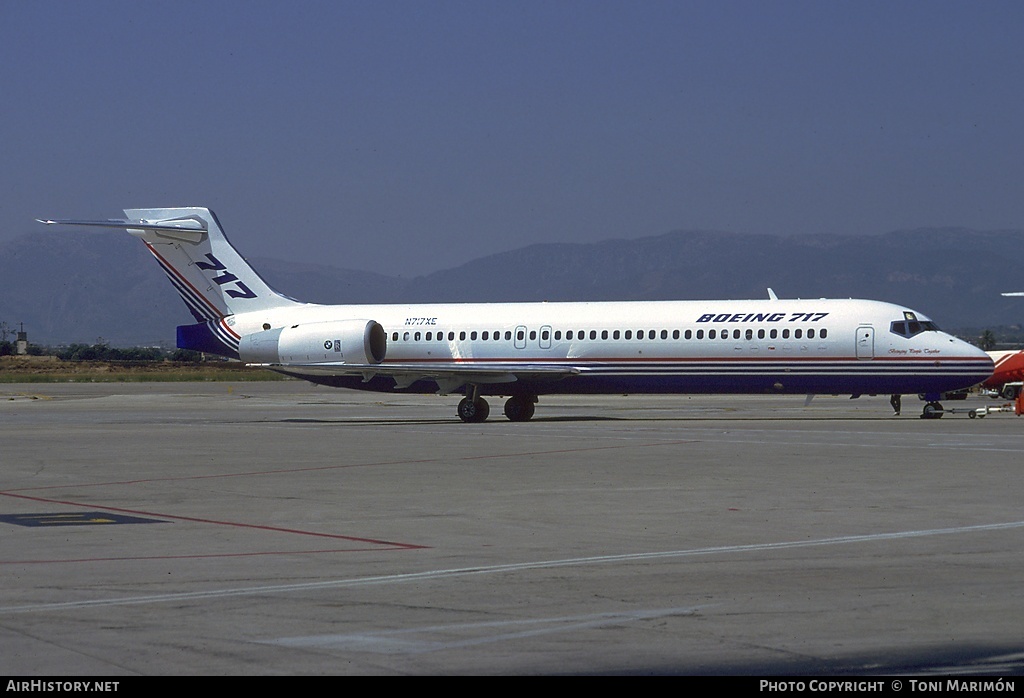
(236, 524)
(19, 494)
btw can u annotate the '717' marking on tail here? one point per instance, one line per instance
(226, 278)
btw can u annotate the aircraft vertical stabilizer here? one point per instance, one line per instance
(209, 274)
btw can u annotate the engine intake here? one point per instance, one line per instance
(343, 341)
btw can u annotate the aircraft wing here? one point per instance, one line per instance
(449, 376)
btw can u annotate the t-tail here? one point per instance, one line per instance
(213, 280)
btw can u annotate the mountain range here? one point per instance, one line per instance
(91, 287)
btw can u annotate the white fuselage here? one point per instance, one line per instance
(748, 346)
(527, 349)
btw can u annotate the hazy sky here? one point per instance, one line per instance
(407, 137)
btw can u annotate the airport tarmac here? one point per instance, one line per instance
(286, 529)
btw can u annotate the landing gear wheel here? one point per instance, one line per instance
(933, 410)
(473, 411)
(520, 408)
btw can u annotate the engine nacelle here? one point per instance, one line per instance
(341, 341)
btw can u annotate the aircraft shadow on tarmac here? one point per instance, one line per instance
(396, 422)
(392, 421)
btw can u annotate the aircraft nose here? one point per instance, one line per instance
(976, 351)
(970, 351)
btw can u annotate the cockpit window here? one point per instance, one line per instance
(910, 328)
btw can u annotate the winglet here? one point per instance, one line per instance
(771, 295)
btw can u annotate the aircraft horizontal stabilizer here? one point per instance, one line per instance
(193, 228)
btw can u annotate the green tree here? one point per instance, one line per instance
(987, 341)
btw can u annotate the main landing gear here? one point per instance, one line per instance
(473, 409)
(519, 408)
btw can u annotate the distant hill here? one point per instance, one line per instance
(953, 275)
(78, 288)
(87, 286)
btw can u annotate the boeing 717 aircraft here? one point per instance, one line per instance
(523, 350)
